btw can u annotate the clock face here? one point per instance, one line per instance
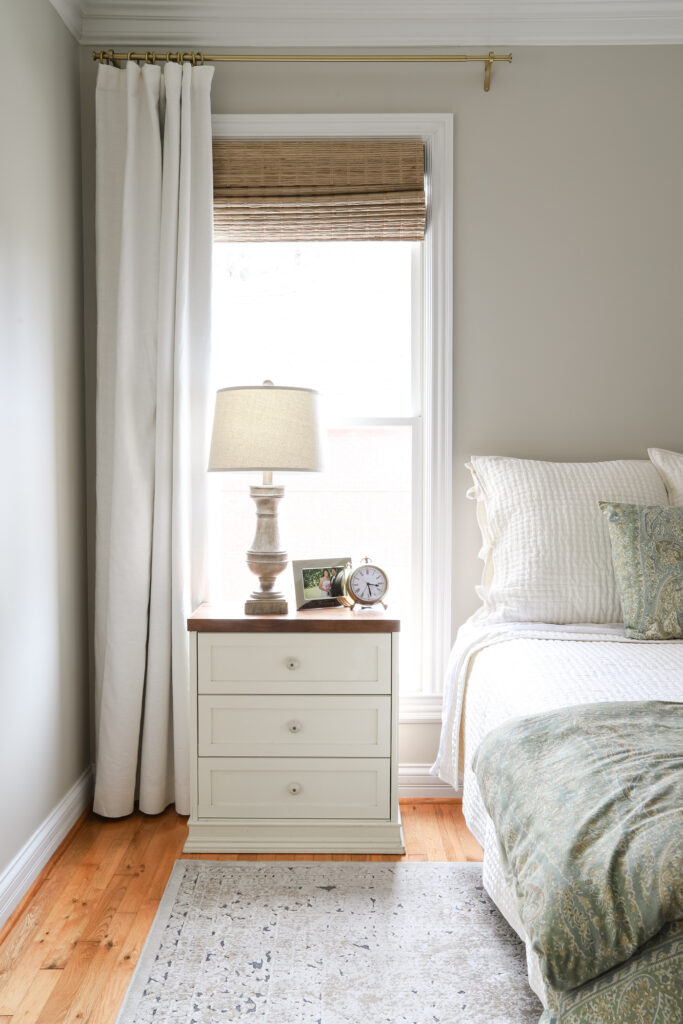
(368, 584)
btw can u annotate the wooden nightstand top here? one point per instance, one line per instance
(221, 619)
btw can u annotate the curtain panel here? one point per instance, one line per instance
(318, 190)
(154, 241)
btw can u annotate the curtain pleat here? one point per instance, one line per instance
(154, 238)
(319, 190)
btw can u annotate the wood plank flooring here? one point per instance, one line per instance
(67, 954)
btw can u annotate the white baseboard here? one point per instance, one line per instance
(415, 783)
(21, 873)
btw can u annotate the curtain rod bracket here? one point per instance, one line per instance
(487, 72)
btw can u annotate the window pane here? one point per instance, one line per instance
(335, 316)
(361, 505)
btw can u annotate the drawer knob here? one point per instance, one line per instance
(292, 663)
(294, 788)
(294, 726)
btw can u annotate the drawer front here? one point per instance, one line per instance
(294, 726)
(271, 787)
(294, 663)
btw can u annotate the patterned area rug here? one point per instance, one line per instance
(329, 943)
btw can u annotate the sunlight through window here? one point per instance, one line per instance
(338, 317)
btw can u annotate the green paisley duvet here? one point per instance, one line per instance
(588, 807)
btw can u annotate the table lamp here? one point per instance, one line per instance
(266, 428)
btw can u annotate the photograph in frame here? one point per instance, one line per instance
(317, 582)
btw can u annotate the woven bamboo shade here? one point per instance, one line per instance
(292, 190)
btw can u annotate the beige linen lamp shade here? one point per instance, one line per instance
(266, 428)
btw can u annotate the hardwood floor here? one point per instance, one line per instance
(67, 954)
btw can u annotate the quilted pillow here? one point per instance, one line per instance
(670, 468)
(546, 548)
(647, 552)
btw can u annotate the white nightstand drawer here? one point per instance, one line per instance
(238, 725)
(292, 787)
(294, 663)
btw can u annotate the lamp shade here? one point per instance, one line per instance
(266, 427)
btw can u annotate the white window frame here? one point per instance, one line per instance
(436, 132)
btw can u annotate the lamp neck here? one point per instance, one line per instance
(267, 476)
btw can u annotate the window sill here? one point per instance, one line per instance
(420, 708)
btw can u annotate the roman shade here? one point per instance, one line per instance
(318, 190)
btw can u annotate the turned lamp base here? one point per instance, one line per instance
(265, 558)
(273, 605)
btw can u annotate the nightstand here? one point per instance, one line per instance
(294, 723)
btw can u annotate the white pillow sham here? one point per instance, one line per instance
(546, 550)
(670, 468)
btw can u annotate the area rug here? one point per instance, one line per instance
(329, 943)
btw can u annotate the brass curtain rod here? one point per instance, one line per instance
(196, 57)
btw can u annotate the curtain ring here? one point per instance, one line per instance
(150, 57)
(130, 54)
(186, 57)
(105, 57)
(199, 57)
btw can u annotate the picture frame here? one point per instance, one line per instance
(309, 574)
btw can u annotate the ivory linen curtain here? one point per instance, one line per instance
(154, 240)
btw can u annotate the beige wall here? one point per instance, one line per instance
(44, 745)
(568, 270)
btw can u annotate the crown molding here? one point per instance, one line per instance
(71, 12)
(373, 23)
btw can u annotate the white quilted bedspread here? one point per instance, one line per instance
(503, 670)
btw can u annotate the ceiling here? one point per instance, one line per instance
(371, 23)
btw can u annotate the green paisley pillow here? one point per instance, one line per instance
(647, 555)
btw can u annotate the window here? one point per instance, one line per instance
(340, 317)
(348, 318)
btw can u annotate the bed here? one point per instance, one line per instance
(507, 667)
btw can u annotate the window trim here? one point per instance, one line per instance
(436, 131)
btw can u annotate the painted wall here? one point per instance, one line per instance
(568, 263)
(44, 742)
